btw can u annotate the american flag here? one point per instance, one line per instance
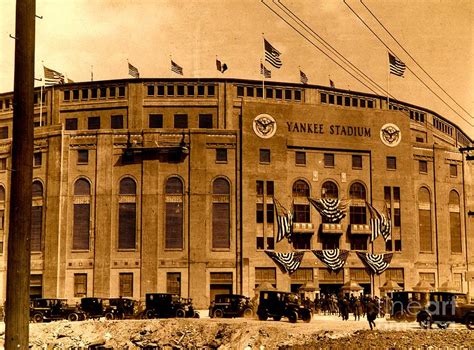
(303, 77)
(335, 259)
(272, 55)
(51, 77)
(265, 72)
(397, 67)
(331, 83)
(377, 262)
(133, 71)
(176, 68)
(331, 209)
(380, 224)
(288, 262)
(284, 221)
(221, 67)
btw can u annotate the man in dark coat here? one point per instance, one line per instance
(372, 312)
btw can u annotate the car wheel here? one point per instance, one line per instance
(425, 323)
(263, 315)
(276, 318)
(398, 316)
(442, 325)
(470, 322)
(196, 315)
(248, 313)
(73, 317)
(307, 316)
(180, 313)
(37, 318)
(109, 316)
(149, 314)
(292, 316)
(218, 313)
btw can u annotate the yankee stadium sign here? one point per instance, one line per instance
(332, 129)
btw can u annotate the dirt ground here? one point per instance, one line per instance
(321, 333)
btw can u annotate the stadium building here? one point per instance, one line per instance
(173, 185)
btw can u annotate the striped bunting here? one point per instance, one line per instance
(377, 262)
(288, 262)
(284, 221)
(272, 55)
(332, 258)
(380, 224)
(397, 67)
(332, 209)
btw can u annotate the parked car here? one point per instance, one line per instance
(230, 305)
(122, 307)
(164, 305)
(97, 308)
(54, 309)
(405, 305)
(277, 304)
(445, 308)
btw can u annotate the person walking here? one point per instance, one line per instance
(357, 309)
(372, 312)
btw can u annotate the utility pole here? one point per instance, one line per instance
(18, 263)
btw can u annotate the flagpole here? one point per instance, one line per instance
(388, 88)
(261, 63)
(41, 104)
(92, 72)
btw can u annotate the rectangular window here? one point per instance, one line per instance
(67, 95)
(347, 101)
(94, 93)
(287, 94)
(300, 158)
(71, 123)
(396, 217)
(211, 90)
(278, 94)
(355, 102)
(425, 230)
(455, 231)
(4, 132)
(302, 241)
(80, 240)
(389, 245)
(423, 166)
(398, 245)
(155, 121)
(324, 98)
(270, 213)
(82, 156)
(259, 213)
(370, 104)
(240, 91)
(331, 99)
(221, 225)
(270, 188)
(181, 121)
(357, 215)
(75, 95)
(359, 242)
(80, 285)
(2, 223)
(161, 90)
(200, 90)
(264, 156)
(356, 161)
(362, 103)
(250, 92)
(93, 123)
(429, 277)
(268, 93)
(170, 89)
(180, 89)
(36, 228)
(259, 188)
(191, 90)
(205, 121)
(221, 155)
(36, 286)
(391, 163)
(127, 226)
(265, 274)
(173, 282)
(116, 122)
(103, 92)
(259, 92)
(301, 213)
(270, 243)
(126, 284)
(420, 139)
(453, 170)
(260, 243)
(329, 160)
(330, 241)
(339, 100)
(174, 226)
(121, 91)
(112, 91)
(297, 95)
(38, 159)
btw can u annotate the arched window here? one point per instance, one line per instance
(2, 216)
(82, 213)
(300, 189)
(424, 220)
(221, 213)
(357, 191)
(174, 224)
(455, 222)
(357, 210)
(127, 223)
(301, 209)
(36, 216)
(329, 190)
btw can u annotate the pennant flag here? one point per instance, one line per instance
(221, 67)
(284, 221)
(331, 83)
(381, 224)
(51, 77)
(272, 55)
(133, 71)
(176, 68)
(303, 77)
(397, 67)
(335, 259)
(265, 72)
(288, 262)
(332, 209)
(377, 262)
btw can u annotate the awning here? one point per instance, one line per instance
(308, 287)
(352, 286)
(264, 286)
(390, 286)
(423, 286)
(446, 287)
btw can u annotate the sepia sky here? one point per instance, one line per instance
(77, 34)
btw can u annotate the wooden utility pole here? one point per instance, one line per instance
(18, 263)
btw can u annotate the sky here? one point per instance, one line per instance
(77, 36)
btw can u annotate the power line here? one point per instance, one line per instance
(373, 15)
(309, 40)
(328, 46)
(390, 50)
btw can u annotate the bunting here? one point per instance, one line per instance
(380, 223)
(335, 259)
(284, 221)
(288, 262)
(377, 262)
(331, 209)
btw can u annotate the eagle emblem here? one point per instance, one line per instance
(390, 135)
(264, 125)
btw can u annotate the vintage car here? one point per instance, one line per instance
(277, 304)
(164, 305)
(97, 308)
(230, 305)
(54, 309)
(405, 305)
(445, 308)
(122, 307)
